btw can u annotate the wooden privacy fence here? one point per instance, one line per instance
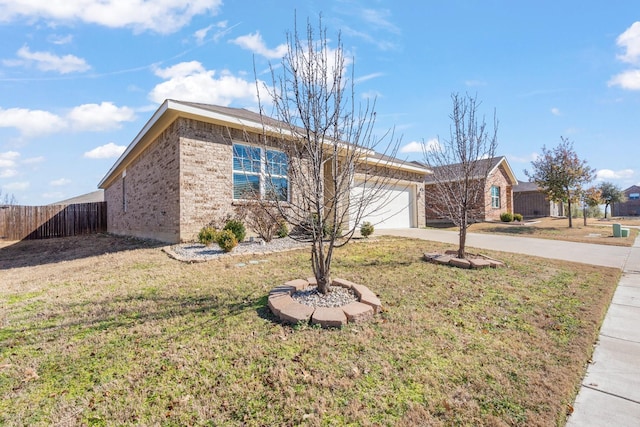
(43, 222)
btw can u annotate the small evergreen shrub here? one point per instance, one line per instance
(517, 217)
(207, 235)
(283, 230)
(506, 217)
(366, 229)
(227, 240)
(237, 228)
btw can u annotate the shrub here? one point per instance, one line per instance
(517, 217)
(506, 217)
(227, 240)
(237, 228)
(283, 230)
(207, 235)
(261, 218)
(366, 229)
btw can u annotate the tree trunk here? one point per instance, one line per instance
(321, 269)
(606, 205)
(570, 214)
(462, 242)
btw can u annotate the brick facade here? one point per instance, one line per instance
(177, 176)
(483, 211)
(152, 191)
(631, 207)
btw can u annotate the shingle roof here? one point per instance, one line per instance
(454, 171)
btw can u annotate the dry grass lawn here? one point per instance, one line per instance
(597, 231)
(100, 330)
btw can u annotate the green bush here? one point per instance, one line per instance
(227, 240)
(506, 217)
(237, 228)
(366, 229)
(517, 217)
(207, 235)
(283, 230)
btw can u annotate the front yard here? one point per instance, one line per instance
(111, 331)
(596, 231)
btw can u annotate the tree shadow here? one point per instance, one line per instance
(31, 253)
(512, 230)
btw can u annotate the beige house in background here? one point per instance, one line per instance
(191, 163)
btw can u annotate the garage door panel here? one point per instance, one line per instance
(390, 207)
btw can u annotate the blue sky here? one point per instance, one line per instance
(80, 78)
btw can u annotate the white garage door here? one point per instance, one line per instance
(390, 207)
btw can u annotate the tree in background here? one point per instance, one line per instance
(561, 174)
(591, 199)
(461, 165)
(610, 194)
(7, 199)
(325, 135)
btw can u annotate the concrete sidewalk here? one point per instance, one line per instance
(610, 391)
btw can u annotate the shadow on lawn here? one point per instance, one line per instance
(512, 230)
(31, 253)
(124, 313)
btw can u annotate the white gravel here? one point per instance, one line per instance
(338, 297)
(195, 252)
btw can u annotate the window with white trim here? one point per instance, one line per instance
(260, 171)
(495, 197)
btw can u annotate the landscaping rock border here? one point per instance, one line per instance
(475, 261)
(288, 310)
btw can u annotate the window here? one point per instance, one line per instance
(495, 197)
(258, 171)
(634, 196)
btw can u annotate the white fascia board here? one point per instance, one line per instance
(156, 116)
(397, 165)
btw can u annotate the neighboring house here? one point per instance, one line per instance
(497, 197)
(191, 163)
(93, 197)
(632, 206)
(531, 202)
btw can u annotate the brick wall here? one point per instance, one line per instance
(498, 178)
(152, 190)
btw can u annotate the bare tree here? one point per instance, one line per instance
(460, 166)
(7, 199)
(327, 141)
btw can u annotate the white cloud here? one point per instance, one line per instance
(166, 16)
(256, 44)
(190, 81)
(556, 111)
(8, 159)
(419, 147)
(604, 174)
(519, 159)
(33, 160)
(379, 19)
(630, 42)
(47, 61)
(106, 151)
(368, 77)
(99, 117)
(60, 182)
(17, 186)
(8, 173)
(201, 34)
(31, 122)
(59, 39)
(86, 117)
(627, 80)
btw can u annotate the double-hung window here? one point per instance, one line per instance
(495, 197)
(260, 172)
